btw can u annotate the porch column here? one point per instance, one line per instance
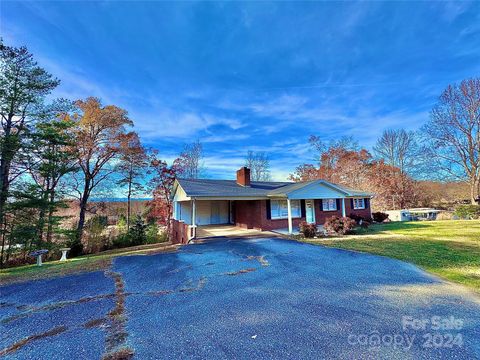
(344, 212)
(289, 208)
(194, 218)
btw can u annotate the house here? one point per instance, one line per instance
(260, 205)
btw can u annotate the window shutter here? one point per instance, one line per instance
(302, 206)
(351, 204)
(338, 204)
(269, 210)
(367, 203)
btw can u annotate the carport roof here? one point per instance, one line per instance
(261, 189)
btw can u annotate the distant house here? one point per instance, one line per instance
(260, 205)
(413, 214)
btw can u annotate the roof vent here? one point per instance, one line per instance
(243, 176)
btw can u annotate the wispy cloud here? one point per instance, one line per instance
(260, 76)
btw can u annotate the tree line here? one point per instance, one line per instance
(52, 149)
(404, 165)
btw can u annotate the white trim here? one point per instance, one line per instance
(194, 220)
(334, 201)
(359, 207)
(316, 190)
(179, 193)
(232, 198)
(344, 211)
(290, 225)
(298, 206)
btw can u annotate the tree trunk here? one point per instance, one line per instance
(41, 218)
(50, 217)
(3, 234)
(83, 209)
(128, 203)
(473, 190)
(4, 184)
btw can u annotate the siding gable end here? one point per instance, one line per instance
(317, 190)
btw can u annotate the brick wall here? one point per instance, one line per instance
(366, 213)
(180, 232)
(252, 214)
(321, 216)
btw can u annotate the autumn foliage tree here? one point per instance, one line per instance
(344, 163)
(161, 206)
(99, 131)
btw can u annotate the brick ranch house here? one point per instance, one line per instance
(260, 205)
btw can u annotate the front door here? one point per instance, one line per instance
(310, 211)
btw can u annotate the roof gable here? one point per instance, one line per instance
(317, 190)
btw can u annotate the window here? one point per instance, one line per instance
(279, 209)
(358, 204)
(329, 204)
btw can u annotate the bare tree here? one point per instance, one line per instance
(189, 162)
(259, 165)
(319, 147)
(398, 148)
(453, 133)
(132, 167)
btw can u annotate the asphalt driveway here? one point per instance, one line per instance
(259, 298)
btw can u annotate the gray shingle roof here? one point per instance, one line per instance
(230, 188)
(207, 187)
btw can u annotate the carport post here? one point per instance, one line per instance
(289, 209)
(344, 212)
(194, 220)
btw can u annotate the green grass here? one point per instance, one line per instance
(80, 264)
(450, 249)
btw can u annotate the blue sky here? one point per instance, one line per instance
(256, 76)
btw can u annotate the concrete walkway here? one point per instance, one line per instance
(208, 231)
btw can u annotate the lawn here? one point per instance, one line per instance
(450, 249)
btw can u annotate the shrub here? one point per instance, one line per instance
(121, 241)
(445, 215)
(76, 248)
(137, 232)
(379, 216)
(365, 224)
(136, 235)
(308, 230)
(154, 235)
(339, 225)
(360, 219)
(122, 224)
(94, 237)
(468, 211)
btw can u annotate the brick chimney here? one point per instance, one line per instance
(243, 176)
